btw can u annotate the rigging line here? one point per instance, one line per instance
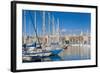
(35, 29)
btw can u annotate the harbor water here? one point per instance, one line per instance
(70, 54)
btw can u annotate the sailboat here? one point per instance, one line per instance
(41, 50)
(55, 50)
(35, 49)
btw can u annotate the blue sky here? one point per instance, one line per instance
(67, 20)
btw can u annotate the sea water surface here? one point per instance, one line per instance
(70, 54)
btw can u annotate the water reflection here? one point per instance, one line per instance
(72, 53)
(44, 59)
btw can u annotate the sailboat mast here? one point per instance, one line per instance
(35, 29)
(43, 28)
(53, 27)
(49, 22)
(29, 29)
(24, 36)
(35, 23)
(35, 20)
(49, 28)
(58, 29)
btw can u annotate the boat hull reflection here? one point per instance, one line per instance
(44, 58)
